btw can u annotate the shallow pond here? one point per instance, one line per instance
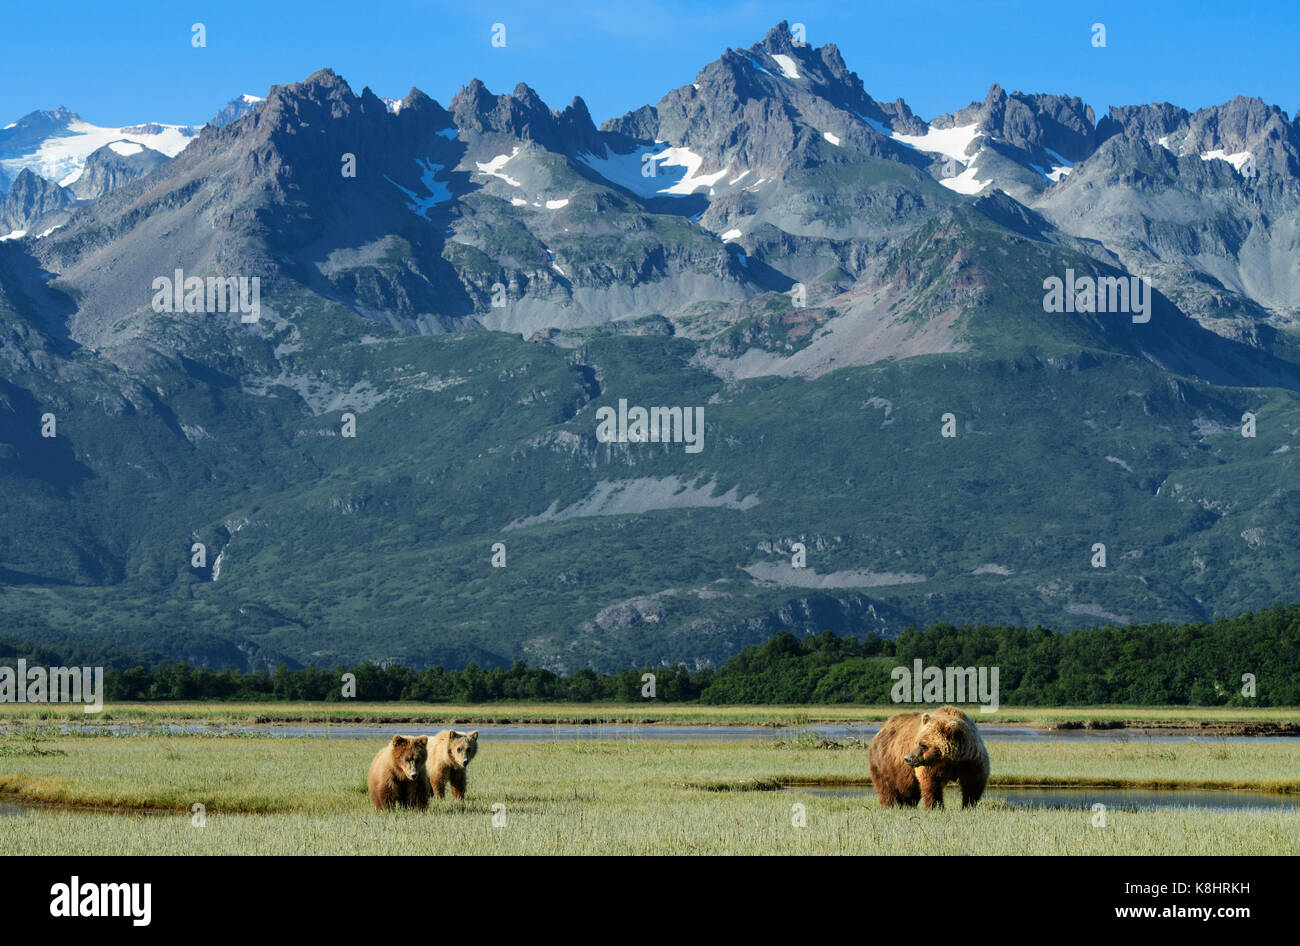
(1121, 799)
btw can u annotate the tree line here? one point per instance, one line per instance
(1251, 660)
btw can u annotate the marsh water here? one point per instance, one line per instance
(1120, 799)
(544, 732)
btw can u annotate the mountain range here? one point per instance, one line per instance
(898, 428)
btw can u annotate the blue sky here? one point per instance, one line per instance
(131, 62)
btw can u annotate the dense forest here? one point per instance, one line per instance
(1151, 665)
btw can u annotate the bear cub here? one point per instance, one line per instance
(449, 754)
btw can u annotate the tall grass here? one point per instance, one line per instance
(288, 796)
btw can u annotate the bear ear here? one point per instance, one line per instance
(474, 735)
(421, 740)
(399, 740)
(925, 717)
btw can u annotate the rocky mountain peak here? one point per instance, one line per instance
(524, 115)
(115, 164)
(779, 39)
(31, 198)
(235, 109)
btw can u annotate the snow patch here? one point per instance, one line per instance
(438, 192)
(965, 182)
(730, 235)
(1237, 160)
(677, 167)
(557, 204)
(831, 138)
(1060, 169)
(788, 68)
(494, 167)
(13, 235)
(949, 142)
(125, 148)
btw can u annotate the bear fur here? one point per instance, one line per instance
(398, 777)
(915, 754)
(450, 753)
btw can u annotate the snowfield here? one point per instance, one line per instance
(62, 159)
(965, 182)
(438, 192)
(494, 167)
(676, 171)
(949, 142)
(788, 67)
(1238, 160)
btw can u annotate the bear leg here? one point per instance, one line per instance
(459, 781)
(931, 789)
(886, 795)
(438, 782)
(972, 787)
(884, 791)
(419, 796)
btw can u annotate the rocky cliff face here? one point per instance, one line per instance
(33, 203)
(114, 165)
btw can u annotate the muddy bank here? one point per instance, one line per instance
(1208, 727)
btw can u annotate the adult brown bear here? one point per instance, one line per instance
(914, 754)
(397, 774)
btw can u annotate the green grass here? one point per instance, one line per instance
(297, 796)
(723, 825)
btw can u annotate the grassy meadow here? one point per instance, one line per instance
(266, 795)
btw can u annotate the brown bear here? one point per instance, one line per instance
(449, 754)
(398, 777)
(914, 754)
